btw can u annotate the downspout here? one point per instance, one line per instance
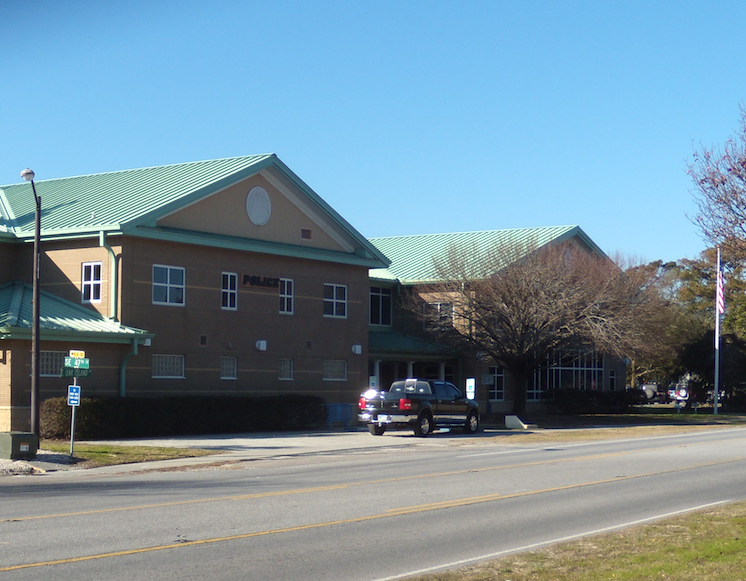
(114, 295)
(113, 309)
(123, 368)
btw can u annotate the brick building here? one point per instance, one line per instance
(400, 346)
(227, 276)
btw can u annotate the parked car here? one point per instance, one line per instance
(650, 391)
(680, 395)
(636, 396)
(711, 396)
(420, 405)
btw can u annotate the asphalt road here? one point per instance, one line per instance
(357, 514)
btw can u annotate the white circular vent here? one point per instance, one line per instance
(258, 206)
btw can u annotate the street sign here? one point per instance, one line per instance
(73, 372)
(73, 395)
(77, 363)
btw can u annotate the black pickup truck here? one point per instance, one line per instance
(419, 405)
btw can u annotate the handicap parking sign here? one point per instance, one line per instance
(73, 395)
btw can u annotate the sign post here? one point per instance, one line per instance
(76, 365)
(73, 400)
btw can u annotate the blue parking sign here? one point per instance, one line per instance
(73, 395)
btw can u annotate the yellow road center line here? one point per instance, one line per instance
(389, 513)
(343, 486)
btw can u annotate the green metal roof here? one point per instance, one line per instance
(412, 256)
(58, 319)
(116, 200)
(131, 201)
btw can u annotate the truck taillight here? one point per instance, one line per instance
(361, 403)
(405, 404)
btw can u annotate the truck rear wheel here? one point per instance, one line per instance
(424, 425)
(376, 430)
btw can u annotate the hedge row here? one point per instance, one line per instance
(576, 401)
(111, 417)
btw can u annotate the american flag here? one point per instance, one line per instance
(720, 298)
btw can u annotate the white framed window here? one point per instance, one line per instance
(51, 363)
(380, 305)
(169, 285)
(438, 315)
(581, 369)
(335, 300)
(335, 370)
(285, 369)
(168, 367)
(228, 368)
(230, 291)
(286, 296)
(90, 285)
(612, 379)
(497, 387)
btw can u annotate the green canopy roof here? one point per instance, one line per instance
(59, 319)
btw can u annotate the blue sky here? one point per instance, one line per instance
(408, 117)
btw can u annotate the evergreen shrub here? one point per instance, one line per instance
(576, 401)
(104, 418)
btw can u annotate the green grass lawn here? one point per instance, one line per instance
(705, 546)
(94, 455)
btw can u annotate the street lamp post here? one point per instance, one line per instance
(28, 175)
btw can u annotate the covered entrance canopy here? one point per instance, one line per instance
(63, 326)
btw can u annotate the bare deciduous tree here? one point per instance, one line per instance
(518, 303)
(719, 178)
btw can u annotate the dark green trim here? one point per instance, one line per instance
(258, 246)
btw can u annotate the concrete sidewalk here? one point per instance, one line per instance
(227, 448)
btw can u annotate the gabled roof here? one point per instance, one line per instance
(59, 320)
(131, 202)
(412, 256)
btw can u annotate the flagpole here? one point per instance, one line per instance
(719, 307)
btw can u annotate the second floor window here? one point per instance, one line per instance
(438, 316)
(91, 282)
(335, 300)
(168, 285)
(286, 296)
(380, 305)
(230, 291)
